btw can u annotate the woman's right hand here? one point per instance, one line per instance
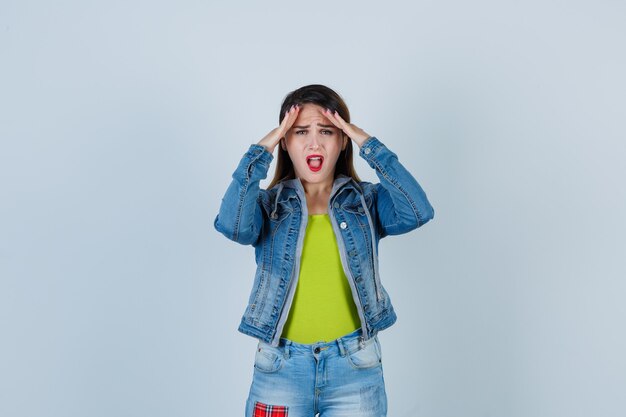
(275, 135)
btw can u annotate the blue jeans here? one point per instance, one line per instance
(339, 378)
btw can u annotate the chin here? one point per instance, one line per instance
(315, 178)
(305, 174)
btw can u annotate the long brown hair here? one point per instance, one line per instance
(327, 99)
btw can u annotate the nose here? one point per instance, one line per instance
(314, 142)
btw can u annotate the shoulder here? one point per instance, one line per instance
(367, 188)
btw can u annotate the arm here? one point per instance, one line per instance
(240, 217)
(401, 203)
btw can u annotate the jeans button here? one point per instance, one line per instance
(316, 350)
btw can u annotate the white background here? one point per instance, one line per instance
(122, 121)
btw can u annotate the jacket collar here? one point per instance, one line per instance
(296, 185)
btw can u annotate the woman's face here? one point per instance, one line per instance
(313, 144)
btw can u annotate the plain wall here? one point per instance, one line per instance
(122, 121)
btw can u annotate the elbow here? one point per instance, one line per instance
(248, 238)
(223, 228)
(234, 233)
(426, 215)
(408, 221)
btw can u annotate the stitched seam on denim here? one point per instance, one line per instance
(258, 309)
(372, 195)
(242, 196)
(280, 272)
(274, 234)
(296, 261)
(263, 298)
(258, 158)
(368, 243)
(272, 356)
(373, 253)
(394, 182)
(355, 284)
(376, 364)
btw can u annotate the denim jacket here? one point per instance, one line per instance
(274, 222)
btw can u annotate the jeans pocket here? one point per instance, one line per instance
(268, 359)
(367, 356)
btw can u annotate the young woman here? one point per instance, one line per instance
(317, 302)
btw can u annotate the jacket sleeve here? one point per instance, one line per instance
(240, 217)
(401, 203)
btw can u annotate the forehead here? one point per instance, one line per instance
(311, 113)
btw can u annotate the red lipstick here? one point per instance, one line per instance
(315, 162)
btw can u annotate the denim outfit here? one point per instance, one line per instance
(274, 222)
(339, 378)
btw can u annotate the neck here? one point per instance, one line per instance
(318, 188)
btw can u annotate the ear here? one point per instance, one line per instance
(345, 142)
(282, 144)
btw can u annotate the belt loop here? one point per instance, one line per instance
(287, 345)
(342, 348)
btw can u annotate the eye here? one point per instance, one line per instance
(327, 132)
(299, 132)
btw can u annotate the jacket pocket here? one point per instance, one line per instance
(280, 209)
(354, 209)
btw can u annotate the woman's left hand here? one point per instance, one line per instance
(355, 133)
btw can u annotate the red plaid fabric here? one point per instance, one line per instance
(264, 410)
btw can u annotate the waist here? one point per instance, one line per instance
(347, 344)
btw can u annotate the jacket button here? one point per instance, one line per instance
(343, 225)
(367, 151)
(336, 205)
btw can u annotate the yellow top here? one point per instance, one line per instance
(323, 308)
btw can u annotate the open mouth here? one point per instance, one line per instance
(315, 162)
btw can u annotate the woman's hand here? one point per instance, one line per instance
(275, 135)
(355, 133)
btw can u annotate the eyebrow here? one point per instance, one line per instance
(307, 126)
